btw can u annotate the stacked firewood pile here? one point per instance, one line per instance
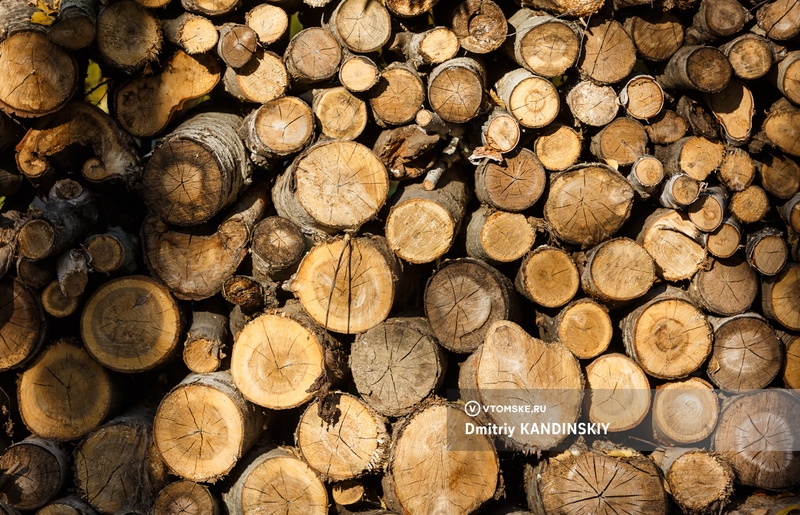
(267, 258)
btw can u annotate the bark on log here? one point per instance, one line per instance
(512, 366)
(421, 224)
(195, 262)
(532, 100)
(581, 480)
(781, 126)
(348, 285)
(608, 52)
(39, 76)
(276, 478)
(436, 434)
(696, 468)
(697, 67)
(620, 392)
(668, 336)
(34, 470)
(192, 33)
(463, 298)
(355, 425)
(675, 243)
(131, 324)
(542, 44)
(433, 46)
(558, 147)
(728, 287)
(737, 170)
(341, 114)
(311, 193)
(642, 97)
(199, 169)
(408, 151)
(358, 73)
(64, 394)
(276, 248)
(750, 55)
(72, 270)
(204, 425)
(685, 412)
(24, 326)
(205, 342)
(747, 353)
(270, 22)
(734, 108)
(291, 375)
(498, 236)
(790, 212)
(618, 270)
(780, 297)
(236, 44)
(779, 19)
(69, 214)
(113, 251)
(666, 128)
(749, 205)
(592, 104)
(480, 26)
(751, 436)
(679, 192)
(313, 55)
(147, 104)
(657, 35)
(128, 36)
(779, 174)
(513, 185)
(117, 466)
(646, 175)
(186, 498)
(263, 79)
(716, 19)
(622, 141)
(725, 240)
(579, 195)
(362, 27)
(766, 251)
(278, 128)
(78, 125)
(548, 276)
(456, 89)
(75, 25)
(583, 326)
(56, 304)
(397, 364)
